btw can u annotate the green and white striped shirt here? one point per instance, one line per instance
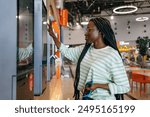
(24, 53)
(102, 66)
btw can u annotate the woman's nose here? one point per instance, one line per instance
(85, 34)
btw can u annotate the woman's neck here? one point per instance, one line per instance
(99, 44)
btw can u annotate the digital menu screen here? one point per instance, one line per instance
(25, 29)
(44, 31)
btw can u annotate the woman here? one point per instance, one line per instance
(101, 72)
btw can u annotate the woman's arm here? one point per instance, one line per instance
(70, 53)
(95, 86)
(51, 33)
(120, 83)
(25, 53)
(118, 80)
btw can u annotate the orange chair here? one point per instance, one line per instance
(138, 78)
(147, 80)
(134, 66)
(147, 71)
(135, 72)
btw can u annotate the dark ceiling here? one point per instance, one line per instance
(91, 8)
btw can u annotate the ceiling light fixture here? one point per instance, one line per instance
(84, 23)
(45, 23)
(134, 9)
(85, 20)
(141, 19)
(112, 17)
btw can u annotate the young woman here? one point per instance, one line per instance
(100, 73)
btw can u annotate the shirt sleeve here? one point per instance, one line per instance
(24, 53)
(120, 82)
(71, 53)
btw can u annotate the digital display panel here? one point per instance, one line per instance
(44, 31)
(25, 29)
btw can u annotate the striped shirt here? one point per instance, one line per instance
(102, 66)
(24, 53)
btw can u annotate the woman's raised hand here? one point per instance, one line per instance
(52, 34)
(50, 30)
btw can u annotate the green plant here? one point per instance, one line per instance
(142, 43)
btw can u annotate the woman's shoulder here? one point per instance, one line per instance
(114, 54)
(112, 51)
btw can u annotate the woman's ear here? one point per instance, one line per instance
(102, 35)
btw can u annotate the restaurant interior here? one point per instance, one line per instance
(130, 26)
(46, 74)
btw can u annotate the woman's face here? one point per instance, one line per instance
(92, 33)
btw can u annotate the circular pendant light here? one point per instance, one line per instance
(133, 9)
(141, 19)
(84, 23)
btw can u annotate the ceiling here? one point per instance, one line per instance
(91, 8)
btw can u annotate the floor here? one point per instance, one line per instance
(58, 89)
(62, 89)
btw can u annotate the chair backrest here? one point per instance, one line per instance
(147, 71)
(138, 77)
(147, 79)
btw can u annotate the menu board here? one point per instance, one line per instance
(44, 31)
(25, 26)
